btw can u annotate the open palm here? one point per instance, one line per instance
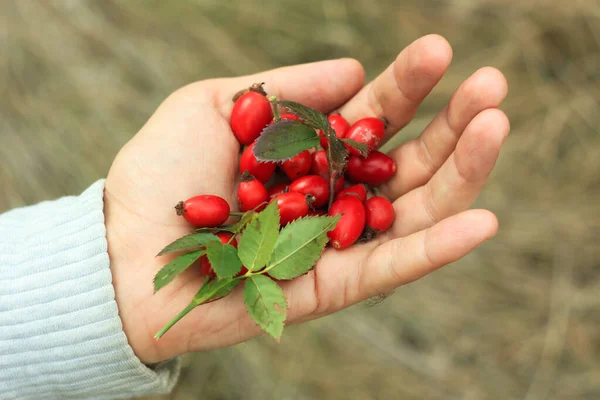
(187, 148)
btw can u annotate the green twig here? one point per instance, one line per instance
(275, 108)
(182, 314)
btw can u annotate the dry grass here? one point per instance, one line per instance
(518, 319)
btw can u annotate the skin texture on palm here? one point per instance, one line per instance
(187, 148)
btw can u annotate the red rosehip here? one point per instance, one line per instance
(290, 116)
(260, 170)
(374, 170)
(339, 125)
(252, 194)
(351, 224)
(251, 113)
(297, 166)
(369, 131)
(277, 189)
(292, 205)
(205, 211)
(320, 166)
(314, 185)
(380, 214)
(358, 190)
(339, 185)
(205, 267)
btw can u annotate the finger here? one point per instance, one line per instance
(404, 260)
(397, 93)
(420, 158)
(456, 185)
(343, 278)
(321, 85)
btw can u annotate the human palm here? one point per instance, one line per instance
(187, 148)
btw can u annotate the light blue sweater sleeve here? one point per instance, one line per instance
(60, 332)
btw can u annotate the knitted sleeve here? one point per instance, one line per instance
(60, 332)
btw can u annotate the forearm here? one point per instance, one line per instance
(61, 332)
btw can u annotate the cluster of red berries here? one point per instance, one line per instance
(302, 187)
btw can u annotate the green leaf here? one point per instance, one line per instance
(175, 267)
(244, 220)
(188, 242)
(213, 289)
(337, 154)
(309, 116)
(266, 304)
(257, 242)
(362, 148)
(223, 259)
(284, 139)
(299, 246)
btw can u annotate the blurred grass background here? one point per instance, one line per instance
(518, 319)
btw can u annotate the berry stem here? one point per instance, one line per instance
(236, 214)
(275, 108)
(332, 172)
(332, 182)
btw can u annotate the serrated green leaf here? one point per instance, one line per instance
(223, 259)
(310, 116)
(188, 242)
(362, 148)
(257, 242)
(284, 139)
(337, 154)
(299, 246)
(215, 288)
(174, 268)
(244, 220)
(266, 304)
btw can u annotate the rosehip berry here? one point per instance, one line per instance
(260, 170)
(290, 116)
(252, 194)
(297, 166)
(350, 225)
(320, 166)
(369, 131)
(374, 170)
(380, 214)
(251, 113)
(205, 211)
(314, 185)
(339, 125)
(359, 191)
(339, 185)
(278, 189)
(205, 267)
(292, 205)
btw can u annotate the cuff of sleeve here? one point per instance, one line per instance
(62, 336)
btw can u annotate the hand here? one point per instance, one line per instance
(187, 148)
